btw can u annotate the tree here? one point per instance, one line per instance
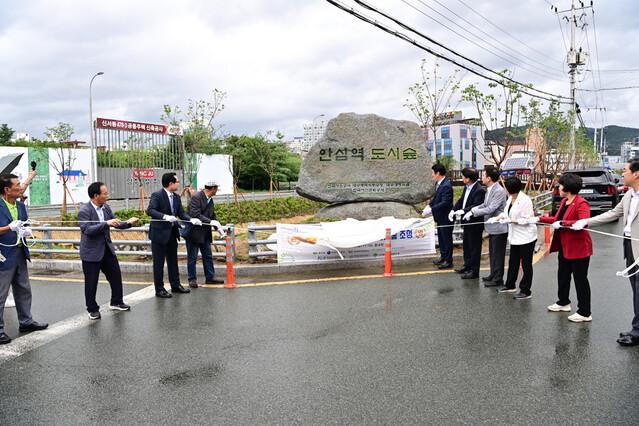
(270, 157)
(550, 131)
(197, 122)
(431, 97)
(501, 111)
(6, 133)
(64, 156)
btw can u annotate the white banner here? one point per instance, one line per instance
(313, 243)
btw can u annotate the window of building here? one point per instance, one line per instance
(445, 132)
(467, 144)
(474, 133)
(463, 132)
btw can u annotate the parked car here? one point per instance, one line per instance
(600, 189)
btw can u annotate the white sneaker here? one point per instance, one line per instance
(559, 308)
(10, 302)
(579, 318)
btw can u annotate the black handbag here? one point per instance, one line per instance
(186, 231)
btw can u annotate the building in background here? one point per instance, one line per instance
(295, 146)
(629, 150)
(461, 138)
(312, 133)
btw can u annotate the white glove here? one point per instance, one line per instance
(195, 221)
(427, 211)
(451, 215)
(459, 213)
(557, 224)
(25, 231)
(579, 225)
(221, 232)
(15, 225)
(505, 220)
(170, 218)
(216, 224)
(492, 220)
(522, 221)
(468, 215)
(532, 220)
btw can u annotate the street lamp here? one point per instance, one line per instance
(321, 115)
(94, 154)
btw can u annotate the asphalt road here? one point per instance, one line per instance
(420, 347)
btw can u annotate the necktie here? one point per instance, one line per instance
(100, 214)
(171, 203)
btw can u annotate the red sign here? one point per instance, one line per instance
(106, 123)
(144, 173)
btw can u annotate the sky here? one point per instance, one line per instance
(283, 63)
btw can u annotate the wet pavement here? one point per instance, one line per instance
(420, 347)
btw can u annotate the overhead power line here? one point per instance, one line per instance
(510, 35)
(523, 87)
(543, 68)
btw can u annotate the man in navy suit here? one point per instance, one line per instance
(472, 196)
(96, 249)
(166, 207)
(439, 206)
(14, 255)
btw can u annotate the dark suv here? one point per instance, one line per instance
(599, 189)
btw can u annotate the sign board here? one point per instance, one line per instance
(144, 173)
(134, 126)
(301, 244)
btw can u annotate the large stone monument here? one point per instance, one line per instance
(368, 167)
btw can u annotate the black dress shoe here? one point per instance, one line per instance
(492, 284)
(628, 340)
(624, 333)
(163, 293)
(4, 339)
(438, 261)
(180, 289)
(462, 270)
(470, 275)
(34, 326)
(488, 278)
(445, 265)
(193, 284)
(214, 281)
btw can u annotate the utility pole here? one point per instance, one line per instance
(575, 58)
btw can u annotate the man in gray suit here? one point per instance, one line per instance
(201, 206)
(96, 249)
(629, 209)
(493, 205)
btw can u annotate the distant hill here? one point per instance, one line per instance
(613, 135)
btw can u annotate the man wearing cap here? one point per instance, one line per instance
(201, 206)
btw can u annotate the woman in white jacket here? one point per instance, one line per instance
(522, 237)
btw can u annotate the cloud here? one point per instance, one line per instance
(281, 62)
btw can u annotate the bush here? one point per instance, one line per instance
(254, 211)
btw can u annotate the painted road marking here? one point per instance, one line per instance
(536, 258)
(35, 339)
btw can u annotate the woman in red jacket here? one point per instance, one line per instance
(575, 248)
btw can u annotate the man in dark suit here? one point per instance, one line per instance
(439, 206)
(201, 206)
(14, 255)
(472, 196)
(166, 207)
(96, 249)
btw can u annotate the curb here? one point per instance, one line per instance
(248, 270)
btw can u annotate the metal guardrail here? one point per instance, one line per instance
(542, 202)
(137, 247)
(254, 244)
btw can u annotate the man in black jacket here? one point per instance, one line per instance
(166, 208)
(201, 206)
(472, 196)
